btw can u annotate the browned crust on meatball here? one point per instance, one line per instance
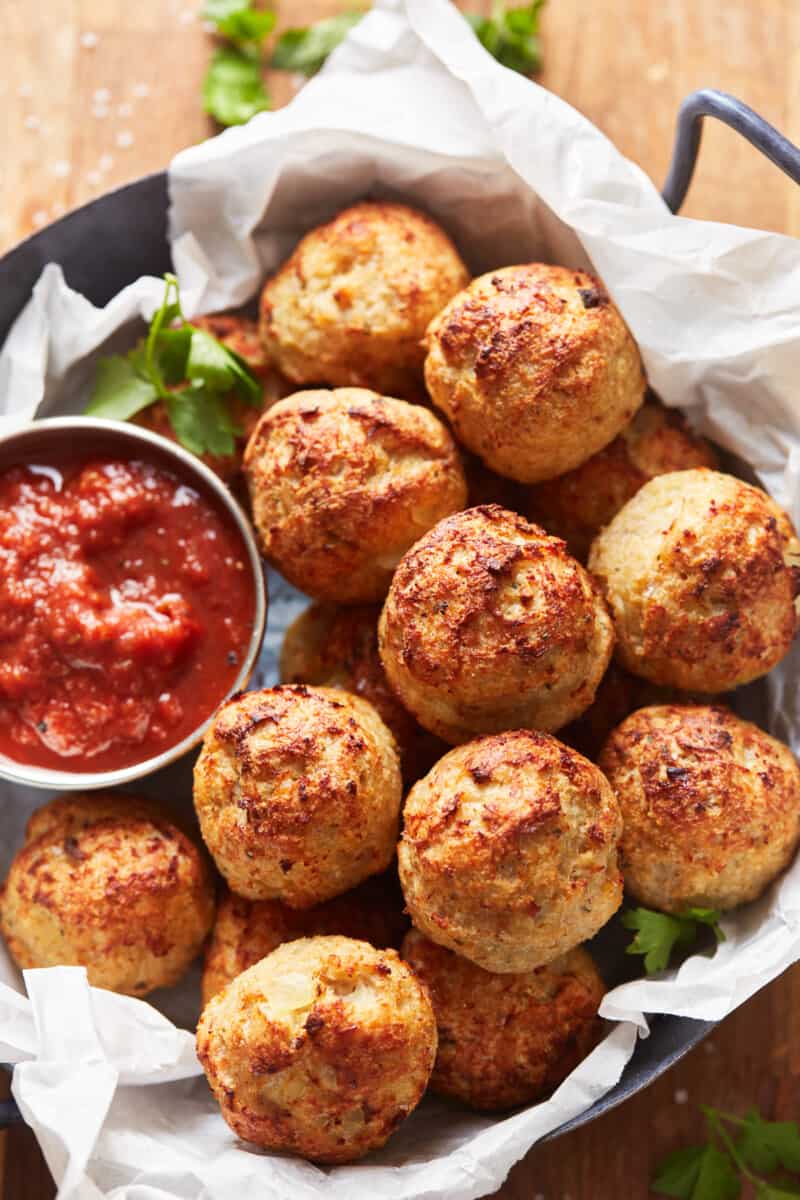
(321, 1049)
(577, 505)
(700, 573)
(509, 851)
(351, 305)
(106, 882)
(710, 803)
(506, 1040)
(343, 482)
(337, 646)
(489, 625)
(535, 369)
(298, 792)
(245, 931)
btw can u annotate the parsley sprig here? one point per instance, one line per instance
(737, 1149)
(234, 88)
(305, 50)
(658, 934)
(511, 35)
(189, 370)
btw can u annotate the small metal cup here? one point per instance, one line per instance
(86, 436)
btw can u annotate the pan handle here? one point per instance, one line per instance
(708, 102)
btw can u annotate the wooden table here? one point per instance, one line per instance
(96, 92)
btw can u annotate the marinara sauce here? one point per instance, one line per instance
(126, 608)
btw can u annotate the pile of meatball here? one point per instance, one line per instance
(485, 506)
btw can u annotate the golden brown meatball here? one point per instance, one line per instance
(351, 306)
(710, 804)
(245, 931)
(240, 335)
(577, 505)
(506, 1039)
(700, 573)
(343, 482)
(338, 647)
(535, 369)
(489, 625)
(322, 1049)
(298, 791)
(104, 881)
(509, 852)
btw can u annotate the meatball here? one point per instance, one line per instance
(509, 852)
(105, 882)
(351, 306)
(246, 931)
(323, 1048)
(506, 1039)
(700, 571)
(577, 505)
(343, 482)
(710, 804)
(338, 647)
(535, 369)
(298, 791)
(240, 335)
(489, 625)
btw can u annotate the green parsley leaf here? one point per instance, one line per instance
(119, 392)
(783, 1191)
(512, 36)
(766, 1145)
(213, 364)
(172, 352)
(202, 422)
(717, 1179)
(238, 21)
(677, 1174)
(698, 1173)
(305, 50)
(233, 89)
(187, 368)
(657, 933)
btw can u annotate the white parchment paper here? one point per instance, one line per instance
(409, 106)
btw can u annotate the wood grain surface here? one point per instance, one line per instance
(96, 92)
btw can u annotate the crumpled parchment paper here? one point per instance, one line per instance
(409, 106)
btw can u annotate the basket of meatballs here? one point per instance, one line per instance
(512, 598)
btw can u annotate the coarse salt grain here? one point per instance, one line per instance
(25, 90)
(681, 1096)
(101, 95)
(124, 139)
(61, 168)
(89, 40)
(39, 218)
(106, 162)
(93, 178)
(32, 122)
(100, 111)
(141, 90)
(187, 17)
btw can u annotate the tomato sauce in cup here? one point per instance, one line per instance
(126, 609)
